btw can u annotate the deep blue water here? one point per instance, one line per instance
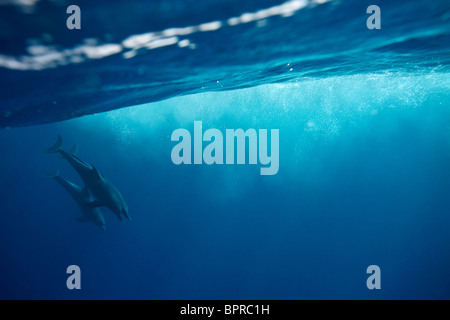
(364, 175)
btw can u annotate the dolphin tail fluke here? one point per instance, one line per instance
(56, 147)
(52, 174)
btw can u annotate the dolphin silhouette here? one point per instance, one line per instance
(82, 197)
(105, 193)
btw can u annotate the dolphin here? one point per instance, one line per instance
(105, 193)
(82, 197)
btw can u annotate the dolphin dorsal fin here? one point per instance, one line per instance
(99, 175)
(74, 150)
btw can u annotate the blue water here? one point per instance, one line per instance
(364, 176)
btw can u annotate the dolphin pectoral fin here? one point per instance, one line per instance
(125, 213)
(82, 219)
(94, 204)
(56, 147)
(85, 192)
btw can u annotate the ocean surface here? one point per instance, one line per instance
(364, 148)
